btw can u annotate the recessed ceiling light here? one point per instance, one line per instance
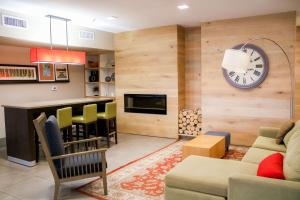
(183, 7)
(112, 18)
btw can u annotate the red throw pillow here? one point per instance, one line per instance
(271, 166)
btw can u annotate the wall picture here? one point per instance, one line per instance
(61, 73)
(17, 73)
(46, 72)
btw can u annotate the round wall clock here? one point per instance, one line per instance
(255, 74)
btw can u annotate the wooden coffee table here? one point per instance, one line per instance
(205, 145)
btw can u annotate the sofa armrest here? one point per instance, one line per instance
(249, 187)
(270, 132)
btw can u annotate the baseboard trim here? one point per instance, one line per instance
(2, 142)
(22, 162)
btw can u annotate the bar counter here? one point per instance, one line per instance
(21, 139)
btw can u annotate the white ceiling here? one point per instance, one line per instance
(137, 14)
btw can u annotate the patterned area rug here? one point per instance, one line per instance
(143, 179)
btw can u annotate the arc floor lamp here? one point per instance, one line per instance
(238, 61)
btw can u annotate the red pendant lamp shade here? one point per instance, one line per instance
(43, 55)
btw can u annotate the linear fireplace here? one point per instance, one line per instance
(145, 103)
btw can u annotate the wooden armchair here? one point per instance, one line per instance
(70, 161)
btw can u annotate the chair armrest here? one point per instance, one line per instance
(249, 187)
(83, 141)
(103, 150)
(270, 132)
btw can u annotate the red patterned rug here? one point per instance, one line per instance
(143, 179)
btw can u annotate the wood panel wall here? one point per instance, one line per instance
(150, 61)
(242, 112)
(297, 74)
(193, 68)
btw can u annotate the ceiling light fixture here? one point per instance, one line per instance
(57, 56)
(112, 18)
(183, 7)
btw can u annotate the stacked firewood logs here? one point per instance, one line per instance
(189, 122)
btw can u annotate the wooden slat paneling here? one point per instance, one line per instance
(193, 68)
(242, 112)
(150, 61)
(297, 74)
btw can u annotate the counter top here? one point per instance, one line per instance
(43, 104)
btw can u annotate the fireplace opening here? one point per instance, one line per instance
(145, 103)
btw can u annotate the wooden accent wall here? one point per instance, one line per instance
(297, 74)
(193, 68)
(242, 112)
(150, 61)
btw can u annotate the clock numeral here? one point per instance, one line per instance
(244, 81)
(256, 73)
(252, 52)
(256, 59)
(237, 78)
(231, 74)
(259, 66)
(252, 79)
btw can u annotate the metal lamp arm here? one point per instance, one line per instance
(290, 68)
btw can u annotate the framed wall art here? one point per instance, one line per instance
(61, 73)
(46, 72)
(18, 73)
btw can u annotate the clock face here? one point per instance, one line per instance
(256, 72)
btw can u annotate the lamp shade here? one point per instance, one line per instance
(235, 60)
(43, 55)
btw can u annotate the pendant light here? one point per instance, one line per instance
(57, 56)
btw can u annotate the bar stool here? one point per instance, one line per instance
(89, 117)
(64, 119)
(108, 115)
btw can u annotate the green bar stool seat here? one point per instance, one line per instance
(64, 119)
(109, 116)
(89, 117)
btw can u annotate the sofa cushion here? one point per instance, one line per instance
(271, 166)
(269, 144)
(256, 155)
(291, 165)
(207, 175)
(179, 194)
(287, 137)
(284, 129)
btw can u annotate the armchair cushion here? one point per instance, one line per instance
(54, 139)
(80, 165)
(53, 135)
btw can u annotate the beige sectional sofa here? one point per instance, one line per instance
(203, 178)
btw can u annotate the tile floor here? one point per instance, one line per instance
(18, 182)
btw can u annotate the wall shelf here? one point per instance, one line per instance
(100, 87)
